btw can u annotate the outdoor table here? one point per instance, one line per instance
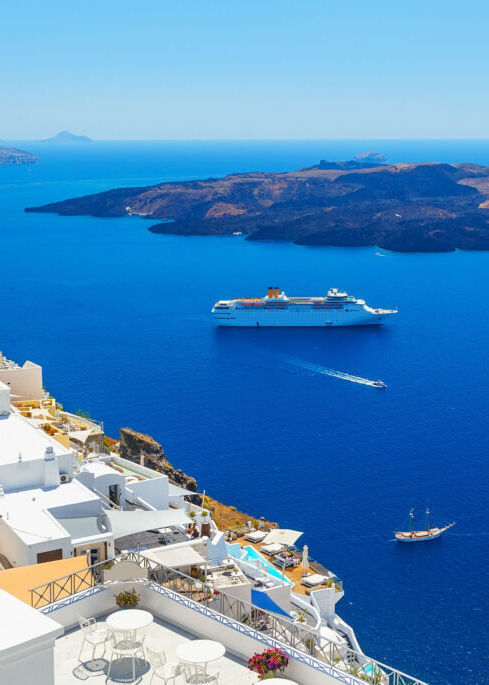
(129, 620)
(198, 653)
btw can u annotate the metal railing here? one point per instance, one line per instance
(64, 587)
(293, 634)
(88, 423)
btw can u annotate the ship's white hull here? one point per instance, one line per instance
(290, 317)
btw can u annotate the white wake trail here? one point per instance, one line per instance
(331, 372)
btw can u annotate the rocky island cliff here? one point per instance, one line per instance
(143, 449)
(429, 207)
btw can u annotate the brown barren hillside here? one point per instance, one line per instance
(405, 207)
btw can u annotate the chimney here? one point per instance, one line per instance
(276, 292)
(51, 468)
(49, 454)
(270, 291)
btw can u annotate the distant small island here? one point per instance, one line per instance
(12, 155)
(66, 137)
(364, 160)
(428, 207)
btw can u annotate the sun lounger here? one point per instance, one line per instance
(256, 536)
(314, 580)
(271, 550)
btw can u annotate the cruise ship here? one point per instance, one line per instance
(337, 308)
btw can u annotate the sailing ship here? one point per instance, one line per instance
(421, 535)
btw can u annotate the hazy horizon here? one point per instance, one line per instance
(238, 140)
(257, 71)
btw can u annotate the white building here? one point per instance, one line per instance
(52, 506)
(25, 382)
(39, 496)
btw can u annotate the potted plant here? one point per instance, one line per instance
(300, 615)
(268, 664)
(205, 528)
(127, 598)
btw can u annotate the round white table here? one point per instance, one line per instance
(129, 620)
(199, 653)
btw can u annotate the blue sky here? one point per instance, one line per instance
(250, 69)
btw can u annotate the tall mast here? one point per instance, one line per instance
(427, 516)
(411, 516)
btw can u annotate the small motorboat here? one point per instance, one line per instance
(421, 535)
(379, 384)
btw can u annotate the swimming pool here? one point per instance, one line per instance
(251, 554)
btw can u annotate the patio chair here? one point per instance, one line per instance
(126, 648)
(200, 676)
(93, 635)
(165, 670)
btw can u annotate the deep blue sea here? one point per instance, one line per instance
(119, 319)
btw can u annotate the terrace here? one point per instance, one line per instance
(195, 606)
(295, 574)
(158, 635)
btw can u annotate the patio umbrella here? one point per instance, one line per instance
(305, 559)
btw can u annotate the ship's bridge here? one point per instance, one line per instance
(335, 294)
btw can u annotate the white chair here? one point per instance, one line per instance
(125, 646)
(165, 670)
(93, 634)
(201, 676)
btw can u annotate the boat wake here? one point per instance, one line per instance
(323, 370)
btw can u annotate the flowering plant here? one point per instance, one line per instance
(268, 663)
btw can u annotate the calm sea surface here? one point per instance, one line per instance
(119, 319)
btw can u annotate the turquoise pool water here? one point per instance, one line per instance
(251, 553)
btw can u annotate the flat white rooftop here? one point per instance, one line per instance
(22, 625)
(72, 492)
(20, 436)
(99, 468)
(159, 635)
(27, 511)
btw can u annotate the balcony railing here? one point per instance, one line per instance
(93, 424)
(295, 635)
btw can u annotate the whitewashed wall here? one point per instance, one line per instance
(24, 382)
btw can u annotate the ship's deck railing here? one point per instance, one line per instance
(290, 633)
